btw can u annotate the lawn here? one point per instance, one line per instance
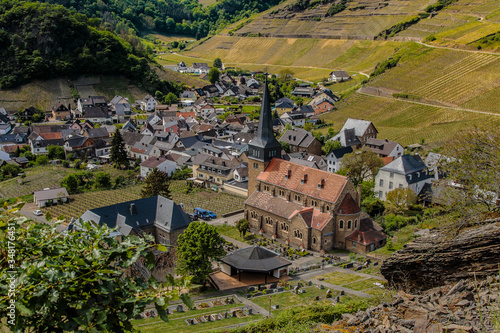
(288, 299)
(233, 233)
(343, 279)
(363, 284)
(373, 270)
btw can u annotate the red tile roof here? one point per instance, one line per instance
(276, 171)
(186, 115)
(314, 218)
(348, 206)
(387, 159)
(274, 205)
(51, 136)
(366, 234)
(153, 161)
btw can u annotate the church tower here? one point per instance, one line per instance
(264, 147)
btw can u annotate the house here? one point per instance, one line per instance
(304, 158)
(49, 196)
(303, 207)
(161, 163)
(121, 109)
(102, 147)
(294, 119)
(91, 101)
(157, 216)
(363, 129)
(301, 140)
(284, 105)
(407, 171)
(199, 68)
(306, 110)
(188, 95)
(143, 148)
(211, 90)
(347, 138)
(148, 104)
(205, 110)
(303, 91)
(339, 76)
(27, 114)
(95, 133)
(40, 147)
(60, 111)
(79, 145)
(384, 148)
(5, 128)
(322, 105)
(212, 168)
(334, 158)
(97, 114)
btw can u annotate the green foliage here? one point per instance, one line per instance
(401, 197)
(361, 165)
(392, 31)
(118, 154)
(199, 245)
(170, 99)
(330, 145)
(285, 146)
(217, 63)
(213, 75)
(243, 227)
(373, 207)
(102, 180)
(156, 183)
(406, 96)
(56, 152)
(42, 160)
(10, 170)
(337, 8)
(440, 4)
(181, 174)
(386, 64)
(78, 281)
(77, 164)
(48, 217)
(70, 183)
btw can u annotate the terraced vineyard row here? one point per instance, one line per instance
(407, 122)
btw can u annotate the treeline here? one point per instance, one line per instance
(186, 17)
(41, 41)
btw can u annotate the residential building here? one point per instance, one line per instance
(363, 129)
(301, 140)
(161, 163)
(384, 148)
(334, 158)
(60, 112)
(407, 171)
(49, 196)
(339, 76)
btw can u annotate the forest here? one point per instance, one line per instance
(42, 41)
(186, 17)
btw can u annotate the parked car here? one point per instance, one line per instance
(201, 213)
(211, 214)
(37, 212)
(192, 217)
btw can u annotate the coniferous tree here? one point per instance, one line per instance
(118, 155)
(157, 183)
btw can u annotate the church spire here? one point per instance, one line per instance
(265, 146)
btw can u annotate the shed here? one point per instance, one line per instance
(50, 195)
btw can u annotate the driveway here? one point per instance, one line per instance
(27, 211)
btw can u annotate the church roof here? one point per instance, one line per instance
(312, 182)
(265, 135)
(348, 206)
(369, 232)
(255, 259)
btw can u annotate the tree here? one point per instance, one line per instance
(275, 114)
(56, 152)
(79, 281)
(401, 197)
(118, 155)
(171, 98)
(156, 183)
(199, 245)
(70, 183)
(48, 217)
(360, 165)
(42, 160)
(308, 126)
(243, 226)
(213, 75)
(285, 75)
(11, 169)
(217, 63)
(331, 145)
(102, 180)
(472, 176)
(285, 146)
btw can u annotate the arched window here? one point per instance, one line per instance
(314, 240)
(355, 224)
(341, 224)
(349, 224)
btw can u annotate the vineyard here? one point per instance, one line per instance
(452, 77)
(219, 203)
(406, 122)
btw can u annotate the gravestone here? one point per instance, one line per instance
(337, 299)
(275, 307)
(310, 283)
(375, 263)
(280, 289)
(349, 265)
(167, 311)
(250, 289)
(180, 308)
(316, 298)
(258, 294)
(250, 310)
(269, 291)
(342, 293)
(248, 295)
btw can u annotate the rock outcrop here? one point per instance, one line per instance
(440, 257)
(466, 307)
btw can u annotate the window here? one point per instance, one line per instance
(353, 245)
(266, 188)
(400, 185)
(253, 215)
(284, 226)
(355, 224)
(269, 221)
(327, 208)
(281, 193)
(314, 240)
(391, 185)
(255, 165)
(380, 194)
(381, 183)
(349, 224)
(297, 234)
(296, 197)
(341, 224)
(391, 175)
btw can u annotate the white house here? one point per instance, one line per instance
(240, 174)
(334, 158)
(160, 163)
(41, 198)
(149, 103)
(406, 171)
(339, 76)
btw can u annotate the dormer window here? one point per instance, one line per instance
(288, 174)
(321, 183)
(304, 179)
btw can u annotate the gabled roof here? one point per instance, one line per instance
(369, 233)
(77, 140)
(381, 147)
(153, 162)
(347, 138)
(96, 112)
(360, 126)
(97, 132)
(404, 165)
(278, 170)
(340, 73)
(155, 211)
(255, 259)
(348, 206)
(51, 194)
(314, 218)
(340, 152)
(297, 137)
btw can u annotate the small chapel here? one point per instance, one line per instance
(300, 206)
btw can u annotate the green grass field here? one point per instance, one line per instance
(288, 299)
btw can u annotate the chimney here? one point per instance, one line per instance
(132, 209)
(321, 183)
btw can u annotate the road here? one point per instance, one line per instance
(27, 211)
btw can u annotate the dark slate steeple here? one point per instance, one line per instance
(265, 146)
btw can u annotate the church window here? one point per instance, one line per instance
(296, 197)
(297, 234)
(341, 224)
(284, 226)
(355, 224)
(314, 240)
(327, 208)
(253, 214)
(269, 221)
(349, 224)
(266, 188)
(281, 193)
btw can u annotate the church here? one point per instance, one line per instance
(300, 206)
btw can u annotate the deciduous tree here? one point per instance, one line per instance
(213, 75)
(79, 281)
(217, 63)
(361, 165)
(199, 245)
(243, 226)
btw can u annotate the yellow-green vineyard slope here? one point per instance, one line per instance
(360, 20)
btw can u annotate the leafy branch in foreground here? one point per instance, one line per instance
(80, 281)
